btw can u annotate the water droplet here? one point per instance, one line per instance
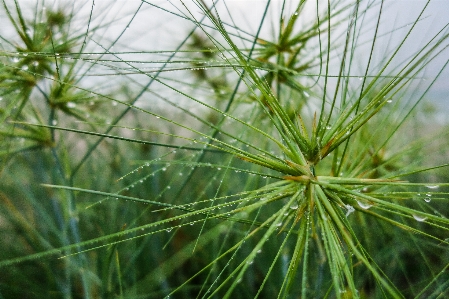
(433, 186)
(389, 101)
(427, 199)
(364, 205)
(350, 209)
(306, 94)
(25, 67)
(278, 224)
(419, 218)
(294, 206)
(360, 78)
(54, 122)
(71, 105)
(164, 168)
(15, 59)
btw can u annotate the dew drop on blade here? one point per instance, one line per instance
(419, 218)
(433, 186)
(350, 210)
(364, 205)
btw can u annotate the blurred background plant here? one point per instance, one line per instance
(230, 162)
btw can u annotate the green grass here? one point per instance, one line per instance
(286, 158)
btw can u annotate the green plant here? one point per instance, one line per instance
(285, 167)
